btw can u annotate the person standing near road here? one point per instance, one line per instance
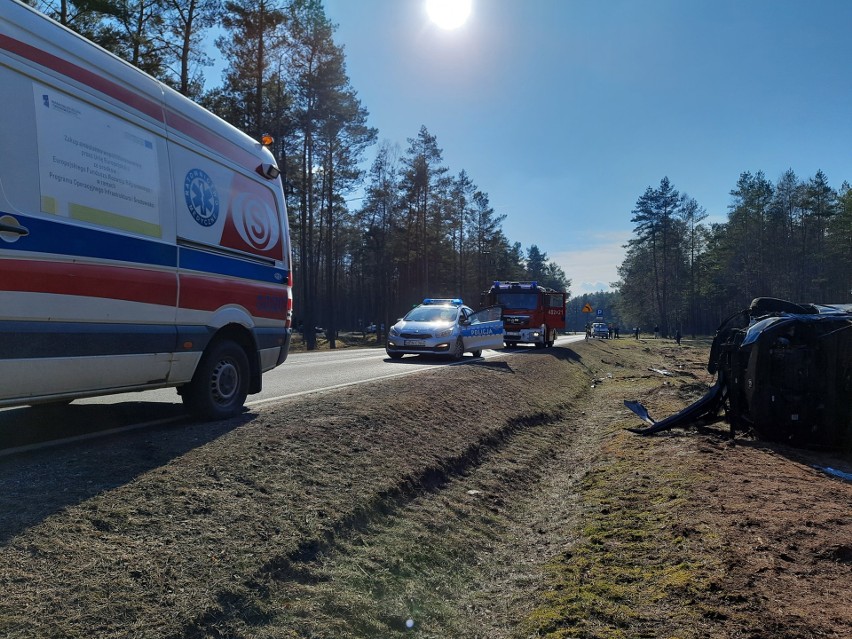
(636, 332)
(656, 331)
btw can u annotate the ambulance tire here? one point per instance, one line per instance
(219, 387)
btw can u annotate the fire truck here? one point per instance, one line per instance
(532, 314)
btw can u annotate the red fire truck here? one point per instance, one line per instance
(532, 314)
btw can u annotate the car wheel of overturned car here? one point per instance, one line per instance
(220, 385)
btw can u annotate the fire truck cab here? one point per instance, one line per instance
(532, 314)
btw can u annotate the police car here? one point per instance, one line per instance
(445, 327)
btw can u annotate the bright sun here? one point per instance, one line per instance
(448, 14)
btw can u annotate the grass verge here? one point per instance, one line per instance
(634, 570)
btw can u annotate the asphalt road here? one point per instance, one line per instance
(319, 371)
(302, 373)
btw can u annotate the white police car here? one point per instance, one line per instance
(445, 327)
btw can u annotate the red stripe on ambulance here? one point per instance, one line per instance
(113, 282)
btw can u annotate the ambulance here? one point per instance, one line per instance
(143, 241)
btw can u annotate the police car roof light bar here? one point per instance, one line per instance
(431, 301)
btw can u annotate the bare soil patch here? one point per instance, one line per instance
(502, 498)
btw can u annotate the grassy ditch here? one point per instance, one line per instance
(635, 569)
(633, 566)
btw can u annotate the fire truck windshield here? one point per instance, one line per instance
(518, 300)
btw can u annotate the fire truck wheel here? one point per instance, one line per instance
(552, 338)
(458, 351)
(219, 387)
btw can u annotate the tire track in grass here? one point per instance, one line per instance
(239, 608)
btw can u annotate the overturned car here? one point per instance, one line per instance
(784, 371)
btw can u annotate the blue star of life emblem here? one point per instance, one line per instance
(201, 197)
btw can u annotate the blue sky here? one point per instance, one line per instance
(564, 111)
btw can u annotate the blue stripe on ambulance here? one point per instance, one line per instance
(192, 259)
(60, 238)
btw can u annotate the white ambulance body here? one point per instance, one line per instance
(143, 241)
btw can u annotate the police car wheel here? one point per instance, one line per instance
(476, 353)
(395, 355)
(220, 385)
(458, 352)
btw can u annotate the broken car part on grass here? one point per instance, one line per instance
(784, 372)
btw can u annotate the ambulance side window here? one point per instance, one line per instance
(81, 160)
(97, 167)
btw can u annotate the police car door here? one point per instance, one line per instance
(483, 329)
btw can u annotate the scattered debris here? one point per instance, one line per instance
(835, 473)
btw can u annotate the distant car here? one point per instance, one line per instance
(445, 327)
(371, 328)
(599, 329)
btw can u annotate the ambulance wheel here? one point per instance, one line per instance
(219, 387)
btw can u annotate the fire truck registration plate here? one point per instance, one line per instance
(415, 342)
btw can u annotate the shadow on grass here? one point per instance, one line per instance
(557, 352)
(38, 483)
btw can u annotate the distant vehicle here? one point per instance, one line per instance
(371, 328)
(143, 240)
(599, 329)
(445, 327)
(532, 314)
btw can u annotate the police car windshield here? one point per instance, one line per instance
(432, 314)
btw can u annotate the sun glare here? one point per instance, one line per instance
(448, 14)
